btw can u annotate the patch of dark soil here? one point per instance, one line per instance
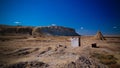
(23, 53)
(114, 66)
(36, 49)
(42, 52)
(21, 50)
(2, 65)
(33, 64)
(49, 48)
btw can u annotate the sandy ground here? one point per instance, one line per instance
(57, 52)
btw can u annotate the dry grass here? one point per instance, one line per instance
(105, 59)
(22, 49)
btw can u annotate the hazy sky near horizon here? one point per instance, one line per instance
(85, 16)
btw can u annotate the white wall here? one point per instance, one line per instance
(75, 42)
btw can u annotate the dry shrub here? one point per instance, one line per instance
(32, 64)
(114, 66)
(108, 62)
(105, 59)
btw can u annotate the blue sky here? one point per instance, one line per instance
(85, 16)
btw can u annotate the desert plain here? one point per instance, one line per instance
(57, 52)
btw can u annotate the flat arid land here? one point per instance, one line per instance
(57, 52)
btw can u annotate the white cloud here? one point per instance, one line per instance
(81, 28)
(114, 27)
(53, 24)
(17, 22)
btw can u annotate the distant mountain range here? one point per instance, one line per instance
(37, 31)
